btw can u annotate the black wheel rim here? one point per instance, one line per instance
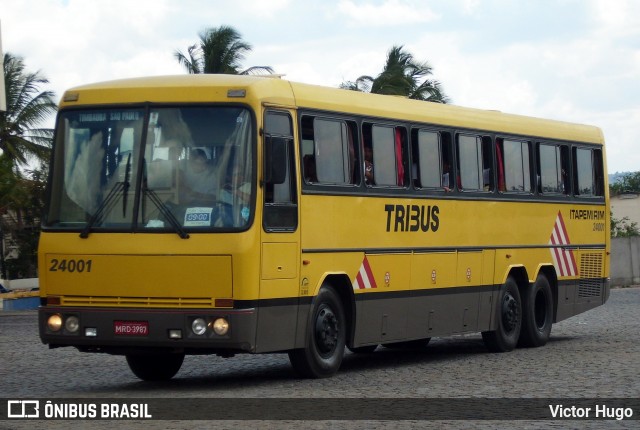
(510, 312)
(326, 331)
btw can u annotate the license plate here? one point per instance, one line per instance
(131, 328)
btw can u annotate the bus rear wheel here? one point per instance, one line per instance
(537, 309)
(155, 367)
(505, 337)
(322, 355)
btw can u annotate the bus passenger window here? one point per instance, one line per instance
(470, 163)
(427, 156)
(328, 151)
(514, 172)
(388, 159)
(588, 172)
(553, 168)
(598, 171)
(565, 169)
(487, 164)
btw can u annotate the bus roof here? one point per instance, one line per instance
(275, 91)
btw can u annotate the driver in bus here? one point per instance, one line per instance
(199, 179)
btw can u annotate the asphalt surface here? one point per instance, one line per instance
(592, 355)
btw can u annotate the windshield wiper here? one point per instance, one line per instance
(164, 210)
(105, 206)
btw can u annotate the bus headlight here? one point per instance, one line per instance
(72, 324)
(54, 322)
(221, 326)
(199, 326)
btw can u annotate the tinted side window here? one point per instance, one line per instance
(427, 156)
(514, 171)
(588, 170)
(475, 163)
(385, 155)
(553, 169)
(328, 151)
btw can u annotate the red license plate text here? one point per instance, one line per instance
(131, 328)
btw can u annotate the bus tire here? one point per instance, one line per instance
(509, 320)
(537, 310)
(325, 343)
(155, 367)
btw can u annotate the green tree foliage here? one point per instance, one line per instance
(630, 182)
(404, 76)
(21, 139)
(624, 227)
(220, 50)
(23, 144)
(20, 224)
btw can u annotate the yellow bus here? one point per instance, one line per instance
(213, 214)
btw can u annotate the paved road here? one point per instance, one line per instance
(595, 354)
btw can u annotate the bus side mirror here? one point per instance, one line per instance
(275, 160)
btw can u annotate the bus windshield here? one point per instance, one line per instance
(153, 169)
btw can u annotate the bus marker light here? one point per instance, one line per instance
(223, 303)
(199, 326)
(221, 326)
(54, 322)
(53, 300)
(236, 93)
(71, 96)
(175, 334)
(91, 332)
(72, 324)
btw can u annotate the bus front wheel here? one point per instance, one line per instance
(509, 321)
(537, 308)
(322, 355)
(155, 367)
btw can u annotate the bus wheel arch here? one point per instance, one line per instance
(342, 285)
(508, 319)
(326, 335)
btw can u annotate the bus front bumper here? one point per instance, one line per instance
(123, 331)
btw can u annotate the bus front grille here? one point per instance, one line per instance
(145, 302)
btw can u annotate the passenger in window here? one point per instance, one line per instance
(368, 165)
(486, 179)
(565, 182)
(199, 179)
(446, 177)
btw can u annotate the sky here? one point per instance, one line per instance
(570, 60)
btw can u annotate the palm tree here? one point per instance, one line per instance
(402, 76)
(362, 84)
(220, 50)
(20, 138)
(21, 142)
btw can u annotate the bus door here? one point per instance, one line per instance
(280, 252)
